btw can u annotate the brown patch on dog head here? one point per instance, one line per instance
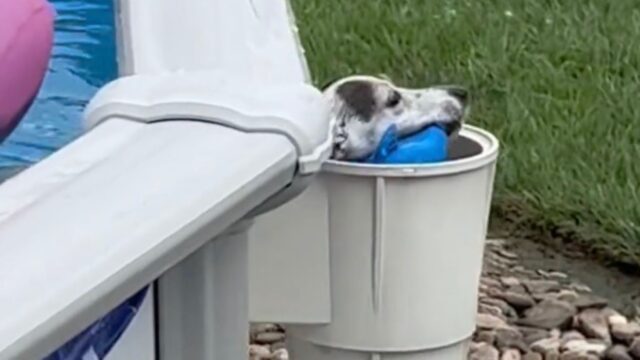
(358, 96)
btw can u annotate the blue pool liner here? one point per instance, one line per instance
(97, 340)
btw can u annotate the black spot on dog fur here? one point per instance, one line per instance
(358, 96)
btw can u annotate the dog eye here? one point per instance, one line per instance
(394, 99)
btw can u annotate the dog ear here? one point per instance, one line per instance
(359, 99)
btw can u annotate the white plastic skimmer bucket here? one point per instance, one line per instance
(405, 249)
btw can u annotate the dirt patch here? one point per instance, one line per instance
(620, 288)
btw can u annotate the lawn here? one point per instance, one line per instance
(557, 81)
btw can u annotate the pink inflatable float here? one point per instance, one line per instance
(26, 39)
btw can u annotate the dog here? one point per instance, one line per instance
(363, 107)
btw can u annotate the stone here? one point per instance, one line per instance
(496, 242)
(549, 314)
(484, 352)
(280, 354)
(507, 309)
(617, 352)
(507, 254)
(576, 355)
(519, 301)
(555, 334)
(571, 335)
(518, 288)
(586, 346)
(557, 275)
(259, 351)
(256, 329)
(277, 346)
(491, 310)
(592, 357)
(567, 295)
(545, 345)
(510, 354)
(495, 293)
(496, 266)
(617, 319)
(541, 286)
(531, 335)
(625, 332)
(593, 324)
(532, 355)
(608, 312)
(545, 296)
(475, 345)
(581, 288)
(485, 336)
(572, 355)
(259, 328)
(588, 301)
(525, 273)
(634, 348)
(552, 355)
(509, 337)
(574, 323)
(482, 289)
(543, 273)
(489, 322)
(509, 281)
(491, 283)
(269, 337)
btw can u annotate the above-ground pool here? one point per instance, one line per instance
(83, 60)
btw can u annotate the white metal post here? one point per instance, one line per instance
(203, 301)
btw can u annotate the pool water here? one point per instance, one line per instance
(83, 60)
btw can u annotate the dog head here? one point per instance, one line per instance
(363, 107)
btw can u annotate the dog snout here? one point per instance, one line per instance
(461, 94)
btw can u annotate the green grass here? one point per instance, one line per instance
(558, 81)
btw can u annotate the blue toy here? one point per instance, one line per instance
(426, 146)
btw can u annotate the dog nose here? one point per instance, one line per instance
(459, 93)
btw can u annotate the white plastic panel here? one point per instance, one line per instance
(296, 110)
(405, 256)
(248, 37)
(289, 261)
(203, 303)
(121, 219)
(457, 351)
(64, 166)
